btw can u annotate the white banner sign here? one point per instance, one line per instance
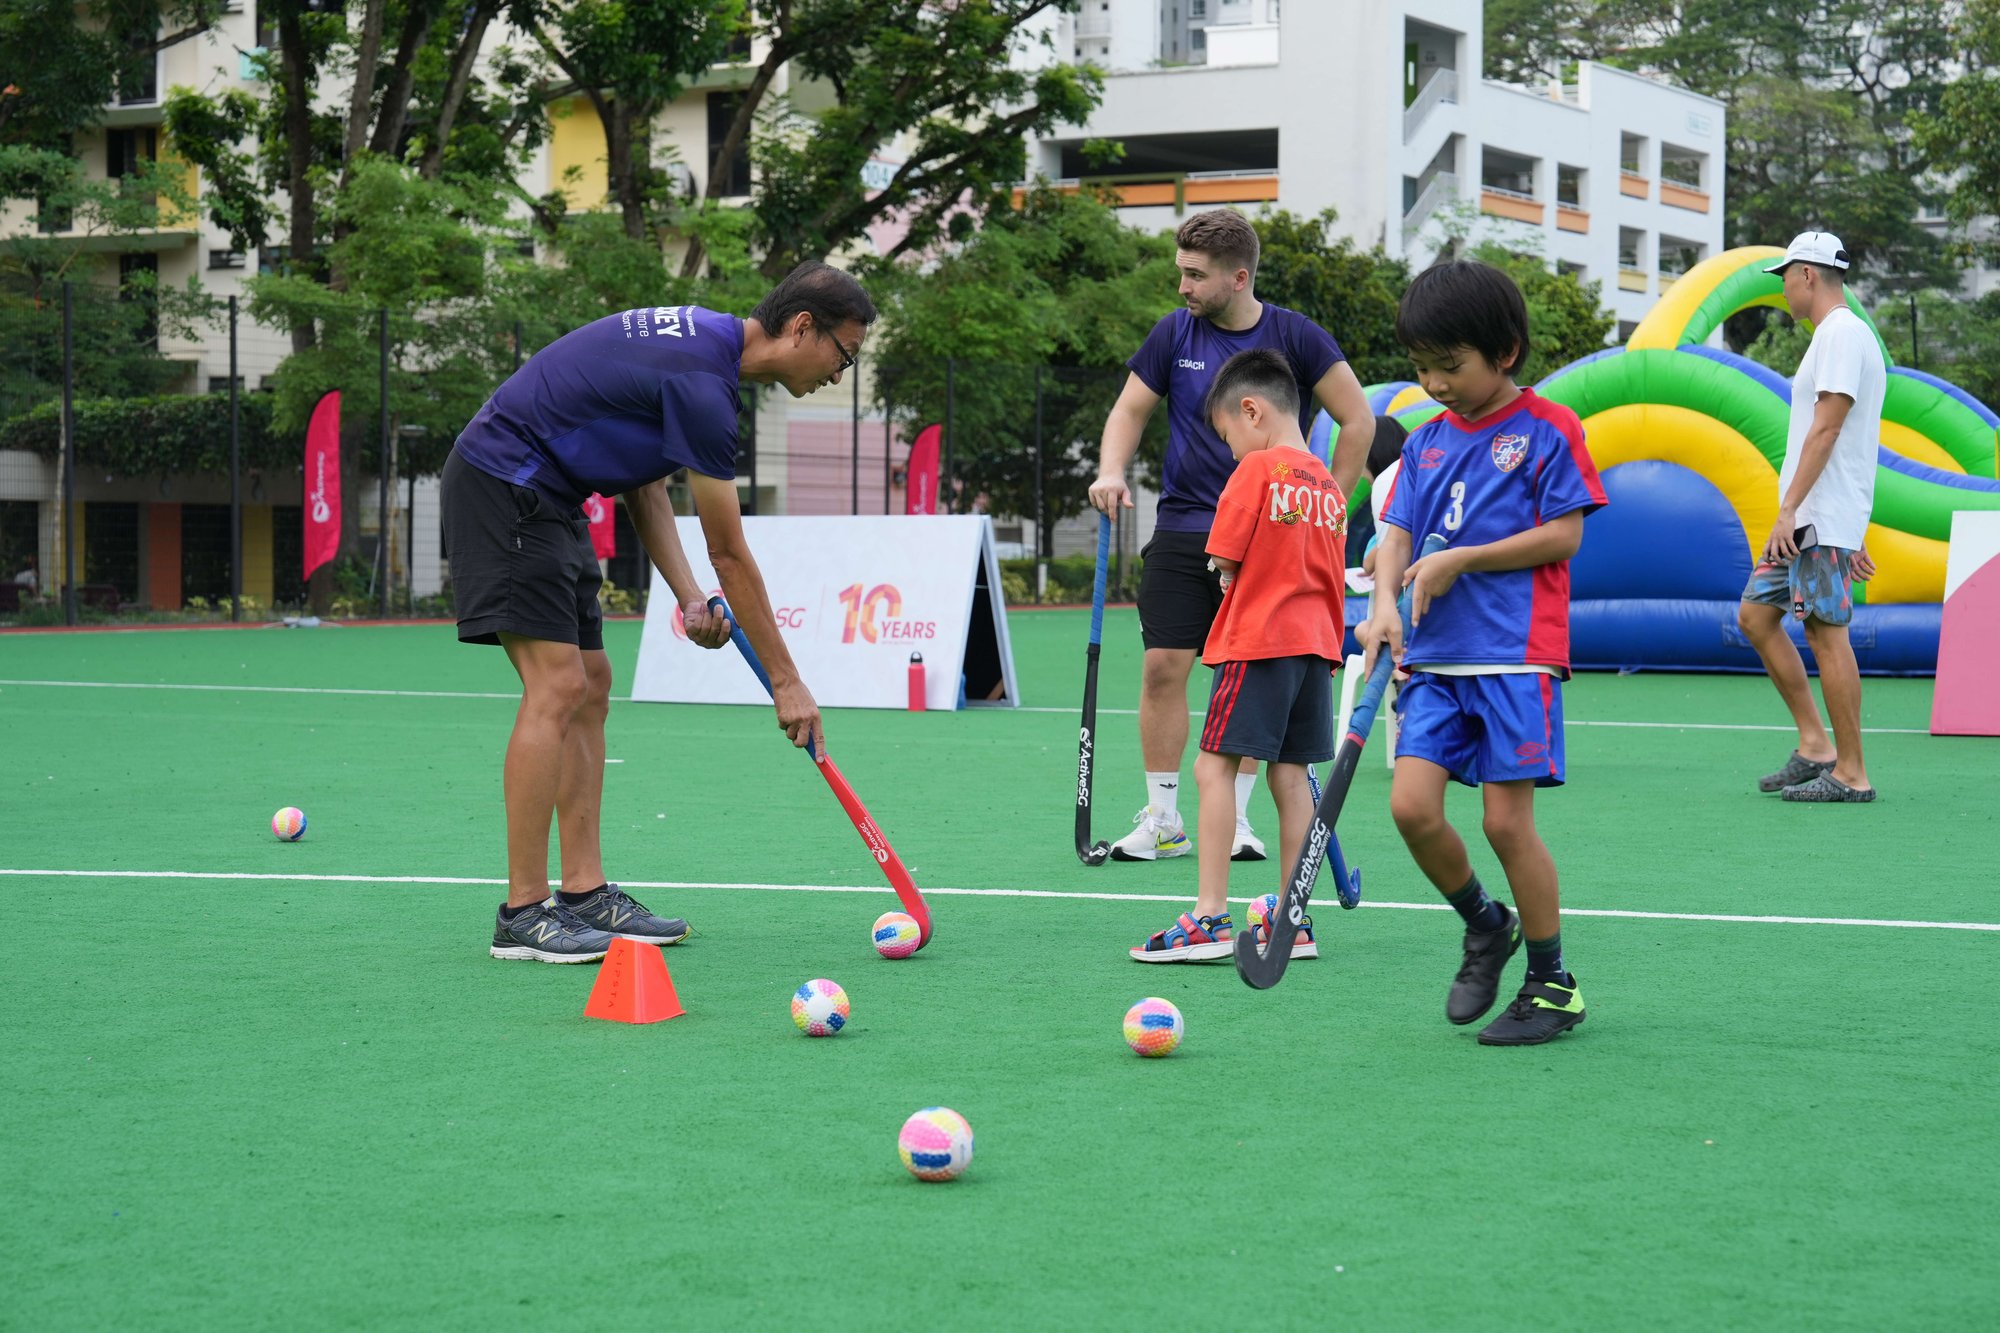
(854, 598)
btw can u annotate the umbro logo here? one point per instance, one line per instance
(1532, 752)
(1431, 457)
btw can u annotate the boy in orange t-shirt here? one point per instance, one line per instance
(1279, 541)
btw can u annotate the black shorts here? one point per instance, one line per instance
(1178, 593)
(1278, 709)
(519, 563)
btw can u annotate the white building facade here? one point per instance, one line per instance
(1378, 111)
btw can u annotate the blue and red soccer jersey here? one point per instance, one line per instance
(1483, 482)
(622, 401)
(1179, 360)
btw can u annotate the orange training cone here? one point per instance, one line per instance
(633, 986)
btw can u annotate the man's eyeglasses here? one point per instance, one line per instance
(847, 358)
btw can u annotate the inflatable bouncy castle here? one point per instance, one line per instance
(1689, 439)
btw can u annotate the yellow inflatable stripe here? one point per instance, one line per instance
(1912, 568)
(1714, 452)
(1409, 397)
(1900, 439)
(1661, 328)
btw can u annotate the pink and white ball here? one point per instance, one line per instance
(1262, 910)
(897, 934)
(936, 1144)
(289, 824)
(1153, 1027)
(819, 1008)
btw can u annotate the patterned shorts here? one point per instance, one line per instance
(1815, 583)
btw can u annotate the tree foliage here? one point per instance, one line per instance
(169, 434)
(1059, 284)
(1348, 291)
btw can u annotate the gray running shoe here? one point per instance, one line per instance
(615, 912)
(548, 932)
(1795, 771)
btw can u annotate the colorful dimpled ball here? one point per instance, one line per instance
(1262, 910)
(819, 1008)
(289, 824)
(936, 1144)
(897, 934)
(1153, 1027)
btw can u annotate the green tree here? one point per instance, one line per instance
(63, 61)
(1054, 296)
(1566, 318)
(1348, 291)
(1961, 133)
(629, 58)
(934, 84)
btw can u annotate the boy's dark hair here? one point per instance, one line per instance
(1223, 234)
(1388, 447)
(1464, 303)
(1262, 371)
(831, 297)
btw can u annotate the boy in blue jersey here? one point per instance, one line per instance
(1504, 476)
(615, 407)
(1179, 593)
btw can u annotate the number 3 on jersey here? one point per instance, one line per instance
(1456, 514)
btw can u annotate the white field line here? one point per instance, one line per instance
(626, 699)
(260, 877)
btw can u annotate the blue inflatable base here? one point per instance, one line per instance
(1683, 634)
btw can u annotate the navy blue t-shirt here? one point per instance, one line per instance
(622, 401)
(1179, 360)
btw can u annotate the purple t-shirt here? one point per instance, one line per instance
(1179, 360)
(618, 403)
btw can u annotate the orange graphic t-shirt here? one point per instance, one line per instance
(1282, 516)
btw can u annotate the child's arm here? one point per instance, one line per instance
(1543, 544)
(1384, 625)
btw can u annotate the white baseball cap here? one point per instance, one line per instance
(1813, 247)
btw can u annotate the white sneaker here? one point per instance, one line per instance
(1248, 846)
(1156, 837)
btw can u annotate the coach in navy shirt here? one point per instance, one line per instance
(1178, 592)
(616, 407)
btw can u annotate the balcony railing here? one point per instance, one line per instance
(1683, 196)
(1443, 87)
(1175, 190)
(1571, 218)
(1501, 202)
(1634, 185)
(1631, 279)
(1442, 189)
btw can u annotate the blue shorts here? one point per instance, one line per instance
(1484, 728)
(1278, 709)
(1817, 583)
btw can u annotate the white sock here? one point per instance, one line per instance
(1163, 792)
(1245, 783)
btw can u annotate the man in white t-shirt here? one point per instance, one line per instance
(1826, 491)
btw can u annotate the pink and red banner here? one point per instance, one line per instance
(322, 489)
(603, 527)
(920, 493)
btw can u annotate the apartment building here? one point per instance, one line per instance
(1378, 111)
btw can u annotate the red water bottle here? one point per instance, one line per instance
(916, 682)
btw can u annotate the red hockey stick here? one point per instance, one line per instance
(871, 833)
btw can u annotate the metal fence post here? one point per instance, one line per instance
(235, 482)
(382, 467)
(947, 495)
(888, 461)
(69, 455)
(1041, 560)
(854, 462)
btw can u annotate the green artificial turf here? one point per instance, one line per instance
(268, 1102)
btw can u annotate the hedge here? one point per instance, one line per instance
(178, 434)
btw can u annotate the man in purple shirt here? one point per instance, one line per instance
(1178, 589)
(616, 407)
